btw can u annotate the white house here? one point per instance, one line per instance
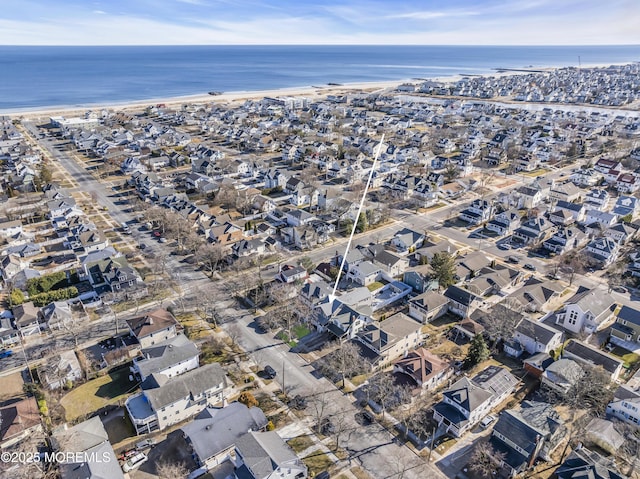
(588, 310)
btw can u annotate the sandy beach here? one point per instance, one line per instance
(310, 91)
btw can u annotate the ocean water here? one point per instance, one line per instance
(36, 77)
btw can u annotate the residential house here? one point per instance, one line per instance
(625, 405)
(478, 212)
(298, 217)
(291, 274)
(428, 306)
(113, 274)
(166, 401)
(392, 264)
(561, 375)
(536, 337)
(597, 199)
(532, 431)
(89, 453)
(470, 264)
(493, 280)
(389, 339)
(420, 278)
(249, 247)
(603, 165)
(586, 177)
(533, 230)
(504, 223)
(461, 301)
(589, 356)
(576, 211)
(56, 372)
(9, 229)
(567, 192)
(604, 249)
(340, 320)
(467, 401)
(625, 332)
(56, 315)
(8, 334)
(19, 419)
(424, 368)
(213, 433)
(565, 238)
(406, 241)
(537, 364)
(621, 232)
(225, 234)
(26, 319)
(625, 206)
(588, 310)
(364, 273)
(428, 249)
(153, 327)
(602, 218)
(264, 455)
(603, 433)
(171, 357)
(628, 183)
(529, 197)
(584, 463)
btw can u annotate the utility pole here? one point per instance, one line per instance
(284, 389)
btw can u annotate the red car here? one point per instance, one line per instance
(157, 234)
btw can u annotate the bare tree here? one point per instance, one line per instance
(342, 363)
(209, 256)
(171, 470)
(501, 320)
(382, 390)
(485, 460)
(629, 453)
(319, 407)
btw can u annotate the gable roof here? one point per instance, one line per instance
(460, 295)
(162, 391)
(592, 356)
(217, 429)
(630, 315)
(166, 354)
(595, 300)
(152, 322)
(264, 452)
(536, 330)
(422, 365)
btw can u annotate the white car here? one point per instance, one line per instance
(134, 462)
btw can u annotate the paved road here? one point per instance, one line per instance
(373, 447)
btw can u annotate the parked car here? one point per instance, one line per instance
(513, 259)
(298, 402)
(6, 353)
(143, 246)
(145, 444)
(326, 427)
(134, 462)
(504, 246)
(270, 372)
(620, 289)
(530, 267)
(323, 475)
(364, 418)
(162, 239)
(487, 420)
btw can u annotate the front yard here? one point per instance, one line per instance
(98, 393)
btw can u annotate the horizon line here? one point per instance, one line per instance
(466, 45)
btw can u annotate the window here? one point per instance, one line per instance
(573, 317)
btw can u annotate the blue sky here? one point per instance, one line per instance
(445, 22)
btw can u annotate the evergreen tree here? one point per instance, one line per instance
(363, 224)
(478, 352)
(444, 269)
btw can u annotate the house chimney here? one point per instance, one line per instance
(149, 320)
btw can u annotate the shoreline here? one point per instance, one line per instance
(240, 95)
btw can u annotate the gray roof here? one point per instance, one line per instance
(166, 354)
(264, 452)
(101, 464)
(82, 436)
(216, 429)
(467, 394)
(495, 379)
(630, 315)
(594, 357)
(595, 300)
(540, 332)
(430, 300)
(162, 391)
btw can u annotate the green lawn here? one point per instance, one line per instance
(97, 393)
(375, 285)
(301, 331)
(317, 462)
(630, 359)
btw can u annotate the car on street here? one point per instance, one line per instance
(134, 462)
(504, 246)
(529, 266)
(326, 427)
(143, 246)
(162, 239)
(270, 372)
(364, 418)
(323, 475)
(620, 289)
(6, 353)
(513, 259)
(298, 402)
(157, 234)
